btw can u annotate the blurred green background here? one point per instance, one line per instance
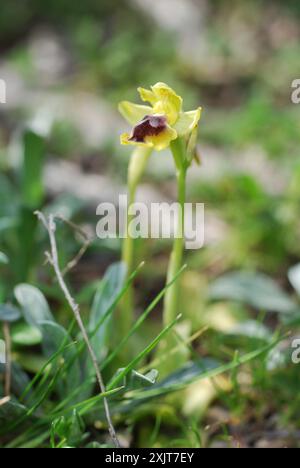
(67, 65)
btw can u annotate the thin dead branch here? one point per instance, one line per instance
(53, 259)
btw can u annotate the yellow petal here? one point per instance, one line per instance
(187, 122)
(134, 113)
(126, 140)
(164, 101)
(163, 140)
(147, 95)
(167, 102)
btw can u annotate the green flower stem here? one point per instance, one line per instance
(172, 295)
(127, 250)
(138, 163)
(171, 300)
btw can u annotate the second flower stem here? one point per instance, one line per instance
(172, 295)
(126, 315)
(138, 163)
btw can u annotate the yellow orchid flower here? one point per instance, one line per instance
(156, 126)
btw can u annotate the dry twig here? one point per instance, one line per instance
(52, 257)
(86, 243)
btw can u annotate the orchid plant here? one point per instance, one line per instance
(155, 127)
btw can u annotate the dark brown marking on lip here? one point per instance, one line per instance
(151, 125)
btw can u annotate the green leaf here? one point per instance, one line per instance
(70, 430)
(254, 289)
(104, 303)
(34, 305)
(8, 201)
(294, 277)
(141, 355)
(107, 293)
(54, 337)
(23, 334)
(135, 380)
(7, 223)
(86, 405)
(9, 313)
(291, 320)
(252, 329)
(76, 429)
(188, 373)
(181, 379)
(10, 412)
(31, 362)
(26, 249)
(199, 369)
(34, 150)
(3, 258)
(138, 323)
(59, 428)
(32, 196)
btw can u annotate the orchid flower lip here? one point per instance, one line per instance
(150, 125)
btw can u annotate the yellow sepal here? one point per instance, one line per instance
(187, 122)
(134, 113)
